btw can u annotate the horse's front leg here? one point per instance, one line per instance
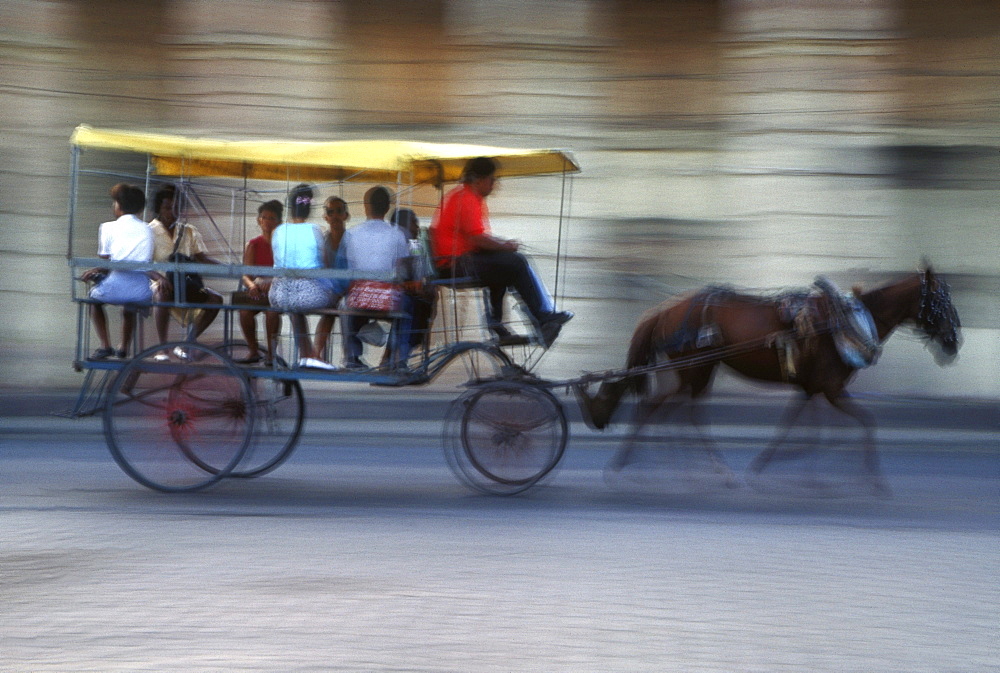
(719, 464)
(646, 409)
(788, 421)
(598, 409)
(844, 403)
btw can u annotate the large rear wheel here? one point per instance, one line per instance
(179, 424)
(503, 437)
(278, 419)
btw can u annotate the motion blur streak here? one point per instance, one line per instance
(746, 143)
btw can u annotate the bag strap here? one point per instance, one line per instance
(178, 237)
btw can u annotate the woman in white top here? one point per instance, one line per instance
(300, 245)
(124, 239)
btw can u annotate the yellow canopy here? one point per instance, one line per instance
(361, 160)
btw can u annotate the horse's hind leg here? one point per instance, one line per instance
(848, 406)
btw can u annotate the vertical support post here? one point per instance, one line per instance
(145, 189)
(81, 323)
(562, 205)
(74, 168)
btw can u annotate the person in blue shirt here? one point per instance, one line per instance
(299, 244)
(336, 214)
(375, 246)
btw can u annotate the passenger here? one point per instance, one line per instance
(407, 220)
(463, 245)
(336, 214)
(258, 253)
(419, 270)
(171, 237)
(299, 245)
(124, 239)
(375, 246)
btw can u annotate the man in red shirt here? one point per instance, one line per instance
(463, 245)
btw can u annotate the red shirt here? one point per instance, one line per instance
(462, 216)
(263, 255)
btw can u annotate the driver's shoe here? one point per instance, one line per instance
(551, 324)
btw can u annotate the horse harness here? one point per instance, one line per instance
(807, 315)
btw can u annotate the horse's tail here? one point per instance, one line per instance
(642, 349)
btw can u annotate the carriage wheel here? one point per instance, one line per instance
(504, 437)
(278, 419)
(279, 415)
(179, 425)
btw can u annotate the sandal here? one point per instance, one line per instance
(102, 353)
(248, 360)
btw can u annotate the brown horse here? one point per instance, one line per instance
(788, 339)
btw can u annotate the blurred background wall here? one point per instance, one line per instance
(756, 143)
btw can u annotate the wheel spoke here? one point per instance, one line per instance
(279, 414)
(179, 431)
(510, 436)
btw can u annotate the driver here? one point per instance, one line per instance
(462, 245)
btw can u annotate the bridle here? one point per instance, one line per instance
(936, 313)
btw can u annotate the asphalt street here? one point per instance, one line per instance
(364, 553)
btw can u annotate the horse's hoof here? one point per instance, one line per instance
(615, 465)
(751, 478)
(584, 401)
(880, 487)
(613, 476)
(593, 412)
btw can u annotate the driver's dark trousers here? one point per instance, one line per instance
(500, 270)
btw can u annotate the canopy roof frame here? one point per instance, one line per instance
(313, 161)
(366, 161)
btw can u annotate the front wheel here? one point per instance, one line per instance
(503, 437)
(179, 424)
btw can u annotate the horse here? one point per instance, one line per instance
(790, 339)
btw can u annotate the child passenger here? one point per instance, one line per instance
(259, 253)
(124, 239)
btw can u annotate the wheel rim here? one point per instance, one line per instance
(511, 435)
(179, 425)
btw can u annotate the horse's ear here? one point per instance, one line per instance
(857, 290)
(925, 266)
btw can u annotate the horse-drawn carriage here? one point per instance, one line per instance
(179, 416)
(183, 423)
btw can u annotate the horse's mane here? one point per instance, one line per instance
(882, 305)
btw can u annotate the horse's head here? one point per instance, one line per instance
(937, 318)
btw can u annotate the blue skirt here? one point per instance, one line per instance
(123, 287)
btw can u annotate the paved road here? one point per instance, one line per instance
(363, 553)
